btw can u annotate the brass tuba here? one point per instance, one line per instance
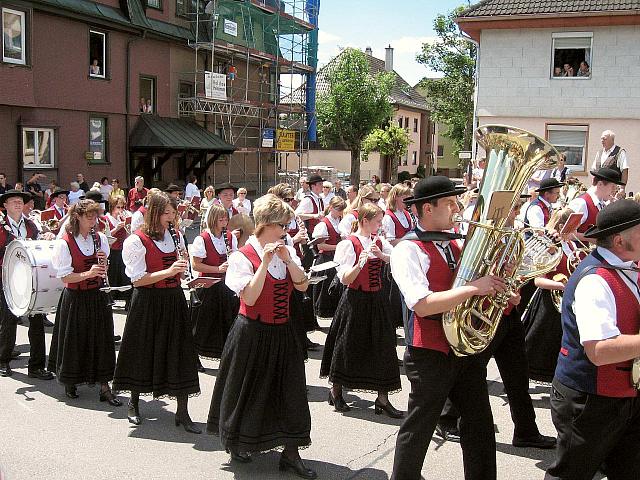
(490, 248)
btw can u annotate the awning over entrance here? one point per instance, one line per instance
(163, 133)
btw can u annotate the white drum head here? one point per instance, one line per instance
(17, 278)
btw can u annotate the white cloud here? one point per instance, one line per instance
(325, 37)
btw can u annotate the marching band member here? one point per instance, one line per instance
(360, 350)
(538, 212)
(259, 401)
(58, 205)
(138, 216)
(116, 271)
(594, 403)
(82, 347)
(325, 304)
(157, 355)
(604, 186)
(311, 207)
(173, 191)
(424, 272)
(225, 193)
(210, 252)
(366, 194)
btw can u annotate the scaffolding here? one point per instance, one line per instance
(263, 50)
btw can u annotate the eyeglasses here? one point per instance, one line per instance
(288, 200)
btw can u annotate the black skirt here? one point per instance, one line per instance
(543, 336)
(360, 349)
(260, 400)
(157, 354)
(212, 320)
(82, 348)
(392, 294)
(324, 303)
(117, 275)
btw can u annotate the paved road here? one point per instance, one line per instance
(46, 436)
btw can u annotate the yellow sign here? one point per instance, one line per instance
(285, 140)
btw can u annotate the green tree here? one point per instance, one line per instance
(355, 104)
(451, 97)
(392, 142)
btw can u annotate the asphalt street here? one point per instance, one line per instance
(47, 436)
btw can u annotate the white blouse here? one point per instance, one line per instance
(346, 223)
(137, 220)
(321, 230)
(133, 254)
(390, 227)
(61, 259)
(240, 271)
(346, 255)
(199, 250)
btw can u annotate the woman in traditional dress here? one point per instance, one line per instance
(366, 194)
(82, 348)
(117, 275)
(260, 401)
(157, 355)
(360, 350)
(210, 252)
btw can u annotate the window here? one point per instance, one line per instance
(155, 4)
(97, 54)
(185, 90)
(37, 147)
(98, 139)
(572, 141)
(406, 122)
(186, 8)
(440, 150)
(415, 125)
(405, 159)
(147, 95)
(414, 158)
(14, 37)
(571, 55)
(400, 122)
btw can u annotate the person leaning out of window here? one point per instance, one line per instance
(584, 70)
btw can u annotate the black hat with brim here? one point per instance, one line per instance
(59, 192)
(95, 196)
(14, 193)
(225, 186)
(172, 188)
(432, 188)
(615, 218)
(608, 175)
(549, 184)
(315, 179)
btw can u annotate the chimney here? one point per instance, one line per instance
(388, 59)
(368, 51)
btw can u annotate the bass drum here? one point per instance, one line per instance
(28, 279)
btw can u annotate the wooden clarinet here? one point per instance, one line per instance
(105, 278)
(188, 276)
(226, 242)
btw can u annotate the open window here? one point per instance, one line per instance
(571, 55)
(97, 54)
(147, 95)
(38, 148)
(14, 43)
(570, 140)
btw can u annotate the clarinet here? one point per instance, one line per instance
(226, 241)
(105, 279)
(188, 276)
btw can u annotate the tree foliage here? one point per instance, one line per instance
(356, 103)
(451, 97)
(391, 141)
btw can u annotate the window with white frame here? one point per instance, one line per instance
(38, 147)
(14, 35)
(155, 4)
(97, 54)
(98, 139)
(405, 159)
(570, 140)
(571, 55)
(147, 94)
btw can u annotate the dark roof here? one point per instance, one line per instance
(487, 8)
(163, 133)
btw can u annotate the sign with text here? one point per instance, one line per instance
(268, 137)
(215, 85)
(286, 140)
(230, 27)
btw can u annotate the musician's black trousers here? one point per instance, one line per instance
(593, 430)
(508, 349)
(8, 327)
(435, 376)
(37, 355)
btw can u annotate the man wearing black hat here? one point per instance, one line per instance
(173, 191)
(311, 208)
(424, 272)
(604, 186)
(594, 403)
(226, 192)
(538, 212)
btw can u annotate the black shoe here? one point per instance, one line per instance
(47, 323)
(450, 434)
(133, 414)
(387, 408)
(5, 370)
(539, 441)
(200, 368)
(187, 424)
(40, 373)
(15, 354)
(117, 338)
(19, 321)
(297, 466)
(240, 457)
(313, 346)
(338, 403)
(71, 391)
(110, 398)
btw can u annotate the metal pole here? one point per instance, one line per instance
(476, 81)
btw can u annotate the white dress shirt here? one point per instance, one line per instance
(594, 303)
(307, 204)
(190, 191)
(535, 215)
(61, 258)
(622, 159)
(240, 270)
(19, 228)
(390, 227)
(579, 205)
(133, 254)
(346, 255)
(199, 250)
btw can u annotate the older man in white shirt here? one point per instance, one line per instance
(612, 156)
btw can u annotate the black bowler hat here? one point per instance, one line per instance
(549, 184)
(14, 193)
(172, 188)
(58, 192)
(225, 186)
(432, 188)
(93, 195)
(315, 179)
(615, 218)
(608, 175)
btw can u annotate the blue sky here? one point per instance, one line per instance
(405, 24)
